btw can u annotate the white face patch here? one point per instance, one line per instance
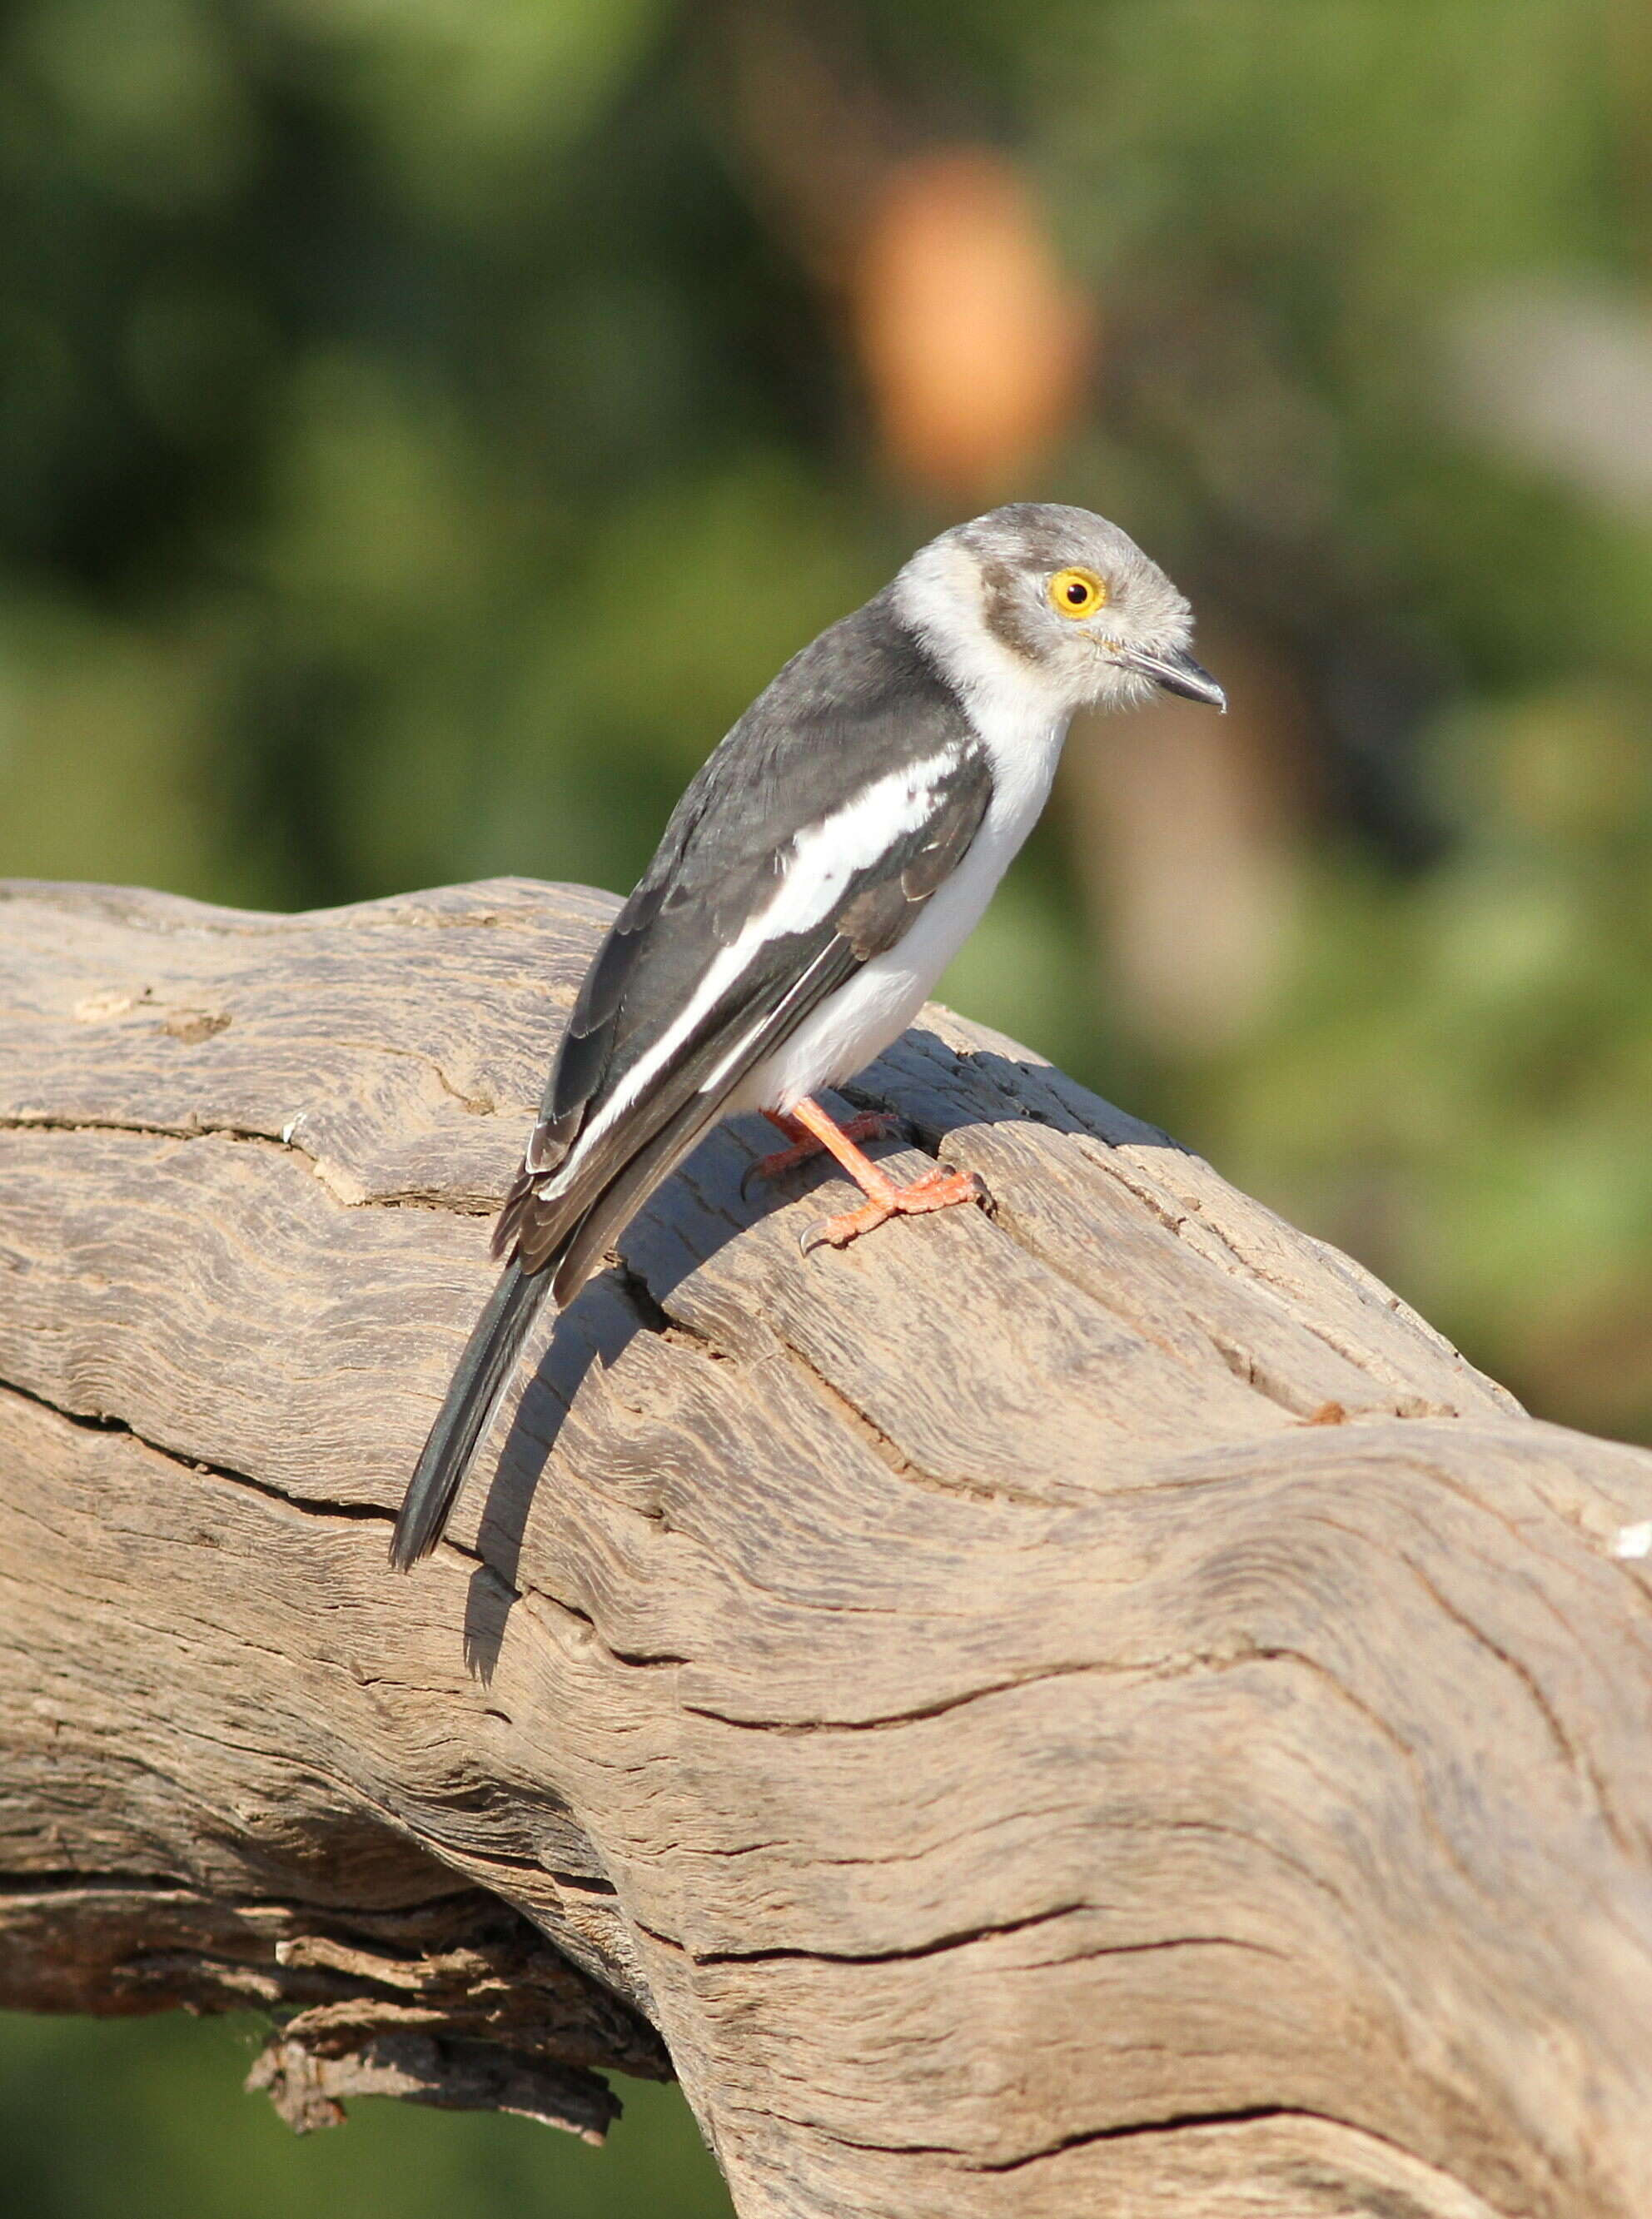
(816, 869)
(940, 595)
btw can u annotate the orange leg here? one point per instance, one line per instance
(874, 1125)
(937, 1190)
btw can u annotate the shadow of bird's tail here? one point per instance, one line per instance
(478, 1387)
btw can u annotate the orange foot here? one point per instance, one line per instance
(934, 1190)
(937, 1190)
(874, 1125)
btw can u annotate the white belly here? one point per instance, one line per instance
(853, 1026)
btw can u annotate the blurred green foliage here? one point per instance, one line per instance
(137, 2116)
(422, 429)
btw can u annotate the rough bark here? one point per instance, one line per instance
(1091, 1710)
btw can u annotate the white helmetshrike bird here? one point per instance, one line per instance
(814, 881)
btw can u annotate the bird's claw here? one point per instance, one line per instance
(936, 1190)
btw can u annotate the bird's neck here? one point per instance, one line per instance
(1013, 704)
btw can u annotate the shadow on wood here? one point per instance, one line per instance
(1095, 1710)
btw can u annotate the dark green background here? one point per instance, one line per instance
(425, 423)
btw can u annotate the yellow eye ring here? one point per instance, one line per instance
(1078, 593)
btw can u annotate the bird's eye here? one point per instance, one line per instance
(1078, 593)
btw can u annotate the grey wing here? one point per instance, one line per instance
(634, 1086)
(587, 1046)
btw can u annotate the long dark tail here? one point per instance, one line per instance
(568, 1235)
(477, 1388)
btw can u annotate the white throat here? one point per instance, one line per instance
(1021, 715)
(941, 595)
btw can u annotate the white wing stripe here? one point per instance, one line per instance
(824, 858)
(725, 1064)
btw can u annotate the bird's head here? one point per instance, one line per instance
(1057, 602)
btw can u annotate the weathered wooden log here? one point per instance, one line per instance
(1090, 1710)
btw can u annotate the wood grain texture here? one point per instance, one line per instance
(1090, 1710)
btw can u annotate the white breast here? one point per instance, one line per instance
(857, 1024)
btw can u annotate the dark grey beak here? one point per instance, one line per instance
(1177, 673)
